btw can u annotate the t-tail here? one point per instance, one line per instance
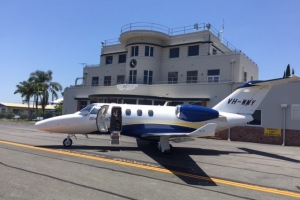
(245, 99)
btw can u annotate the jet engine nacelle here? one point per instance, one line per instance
(193, 113)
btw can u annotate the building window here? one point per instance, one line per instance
(145, 102)
(120, 79)
(139, 112)
(245, 76)
(132, 76)
(134, 51)
(214, 51)
(191, 76)
(122, 58)
(129, 101)
(128, 112)
(107, 80)
(213, 75)
(174, 53)
(149, 51)
(251, 78)
(256, 118)
(108, 60)
(148, 77)
(172, 77)
(193, 50)
(95, 81)
(82, 104)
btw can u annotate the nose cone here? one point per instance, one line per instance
(43, 125)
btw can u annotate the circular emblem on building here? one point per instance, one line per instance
(133, 63)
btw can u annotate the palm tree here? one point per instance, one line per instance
(44, 86)
(26, 89)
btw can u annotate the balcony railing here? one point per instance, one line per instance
(157, 83)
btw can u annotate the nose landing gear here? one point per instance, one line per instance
(68, 142)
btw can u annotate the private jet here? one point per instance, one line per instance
(162, 124)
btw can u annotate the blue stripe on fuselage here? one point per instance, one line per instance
(137, 130)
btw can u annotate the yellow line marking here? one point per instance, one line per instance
(216, 180)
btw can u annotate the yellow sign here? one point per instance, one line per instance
(272, 132)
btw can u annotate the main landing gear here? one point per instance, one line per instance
(164, 146)
(68, 142)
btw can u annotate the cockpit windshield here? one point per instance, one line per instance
(87, 108)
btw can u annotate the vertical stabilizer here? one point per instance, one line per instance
(246, 99)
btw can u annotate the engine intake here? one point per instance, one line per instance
(193, 113)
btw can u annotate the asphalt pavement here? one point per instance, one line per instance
(35, 165)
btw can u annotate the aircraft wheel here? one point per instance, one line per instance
(67, 143)
(167, 152)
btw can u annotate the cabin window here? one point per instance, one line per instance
(139, 112)
(95, 111)
(150, 113)
(193, 50)
(256, 118)
(128, 112)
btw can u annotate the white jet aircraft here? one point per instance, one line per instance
(163, 123)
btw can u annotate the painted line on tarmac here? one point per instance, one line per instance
(216, 180)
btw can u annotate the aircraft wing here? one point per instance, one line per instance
(206, 130)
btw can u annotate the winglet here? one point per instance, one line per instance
(206, 130)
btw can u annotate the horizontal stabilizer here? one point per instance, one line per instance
(206, 130)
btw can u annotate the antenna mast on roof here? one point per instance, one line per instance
(222, 31)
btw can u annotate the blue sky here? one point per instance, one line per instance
(58, 34)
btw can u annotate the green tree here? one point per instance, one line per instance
(44, 87)
(59, 108)
(26, 89)
(288, 71)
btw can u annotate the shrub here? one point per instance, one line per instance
(10, 115)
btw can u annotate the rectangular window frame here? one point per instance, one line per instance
(109, 60)
(191, 77)
(174, 52)
(245, 76)
(149, 51)
(107, 81)
(132, 76)
(122, 58)
(193, 50)
(148, 77)
(95, 81)
(213, 75)
(172, 78)
(120, 79)
(134, 51)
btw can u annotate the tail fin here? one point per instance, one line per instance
(246, 99)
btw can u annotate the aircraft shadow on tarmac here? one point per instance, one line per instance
(270, 155)
(178, 161)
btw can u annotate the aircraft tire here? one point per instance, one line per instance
(66, 143)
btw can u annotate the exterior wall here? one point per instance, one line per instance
(256, 135)
(214, 91)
